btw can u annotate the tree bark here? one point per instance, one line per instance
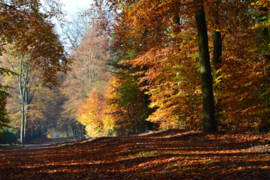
(209, 123)
(25, 104)
(217, 41)
(217, 53)
(148, 124)
(216, 35)
(22, 101)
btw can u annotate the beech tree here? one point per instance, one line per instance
(89, 70)
(25, 86)
(22, 80)
(156, 31)
(31, 33)
(209, 123)
(142, 22)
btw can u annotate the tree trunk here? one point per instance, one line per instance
(81, 131)
(148, 124)
(25, 104)
(22, 122)
(22, 102)
(217, 41)
(209, 123)
(32, 133)
(25, 120)
(217, 53)
(216, 35)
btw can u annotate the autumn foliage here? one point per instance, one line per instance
(27, 35)
(180, 89)
(92, 113)
(155, 50)
(156, 63)
(149, 65)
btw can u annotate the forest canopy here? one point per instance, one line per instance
(197, 64)
(136, 66)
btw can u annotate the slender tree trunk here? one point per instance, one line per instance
(22, 122)
(209, 123)
(32, 133)
(217, 53)
(25, 104)
(25, 119)
(22, 102)
(81, 131)
(217, 41)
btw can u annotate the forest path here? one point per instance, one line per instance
(41, 143)
(172, 154)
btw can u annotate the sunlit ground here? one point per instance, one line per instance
(172, 154)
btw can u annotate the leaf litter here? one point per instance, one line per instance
(172, 154)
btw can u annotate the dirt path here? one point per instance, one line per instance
(42, 143)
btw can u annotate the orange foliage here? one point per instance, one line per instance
(159, 40)
(91, 113)
(31, 31)
(242, 81)
(175, 86)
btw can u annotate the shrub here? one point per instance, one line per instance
(8, 137)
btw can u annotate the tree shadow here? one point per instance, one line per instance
(173, 154)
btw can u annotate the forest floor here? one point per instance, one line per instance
(172, 154)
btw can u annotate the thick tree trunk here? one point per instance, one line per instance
(209, 123)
